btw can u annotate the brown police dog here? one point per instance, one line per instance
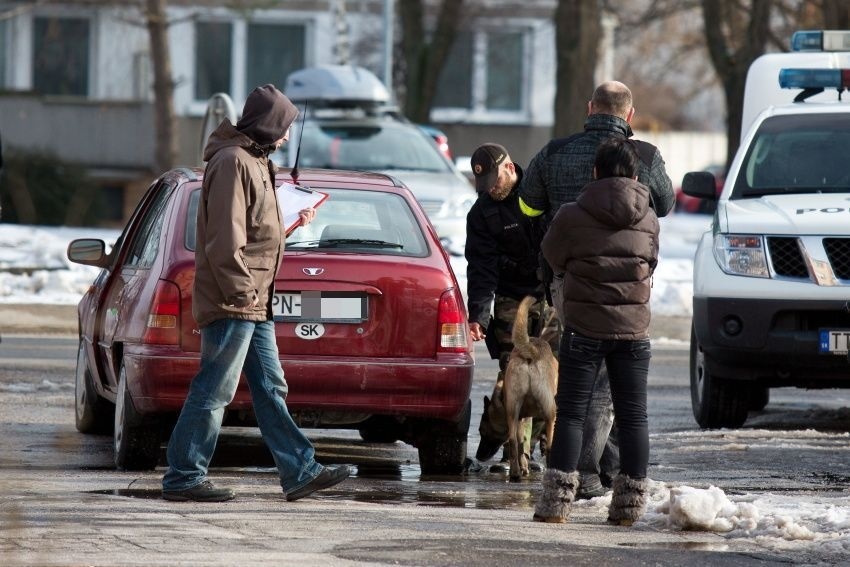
(527, 391)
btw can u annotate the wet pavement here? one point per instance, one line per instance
(62, 503)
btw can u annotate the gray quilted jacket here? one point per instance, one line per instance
(564, 166)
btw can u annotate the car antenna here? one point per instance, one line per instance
(294, 172)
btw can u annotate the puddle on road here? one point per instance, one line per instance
(680, 545)
(145, 493)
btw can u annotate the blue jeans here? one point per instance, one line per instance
(628, 368)
(229, 346)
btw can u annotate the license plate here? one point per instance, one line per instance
(834, 341)
(320, 306)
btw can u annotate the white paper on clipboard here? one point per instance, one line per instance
(292, 198)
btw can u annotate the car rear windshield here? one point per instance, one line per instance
(797, 154)
(382, 145)
(351, 221)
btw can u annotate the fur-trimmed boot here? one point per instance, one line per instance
(628, 502)
(556, 500)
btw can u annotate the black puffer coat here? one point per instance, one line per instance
(606, 243)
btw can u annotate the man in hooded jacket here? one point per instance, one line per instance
(240, 240)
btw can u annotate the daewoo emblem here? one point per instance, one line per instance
(313, 271)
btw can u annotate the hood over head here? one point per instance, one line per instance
(267, 115)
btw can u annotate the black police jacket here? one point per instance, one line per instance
(502, 251)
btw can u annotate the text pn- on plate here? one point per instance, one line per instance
(320, 306)
(834, 341)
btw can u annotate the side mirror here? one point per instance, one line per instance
(700, 184)
(88, 251)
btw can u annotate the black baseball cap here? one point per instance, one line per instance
(485, 165)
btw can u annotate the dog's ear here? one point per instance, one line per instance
(486, 403)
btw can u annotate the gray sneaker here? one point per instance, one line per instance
(204, 492)
(325, 479)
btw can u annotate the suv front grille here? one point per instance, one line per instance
(838, 253)
(786, 257)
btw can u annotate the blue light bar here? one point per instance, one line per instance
(830, 40)
(814, 78)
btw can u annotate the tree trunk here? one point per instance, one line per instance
(424, 59)
(836, 15)
(163, 85)
(578, 29)
(723, 21)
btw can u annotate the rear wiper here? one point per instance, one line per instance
(336, 242)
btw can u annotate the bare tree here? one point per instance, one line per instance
(836, 14)
(578, 29)
(424, 58)
(736, 33)
(155, 16)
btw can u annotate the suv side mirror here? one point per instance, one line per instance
(700, 184)
(88, 251)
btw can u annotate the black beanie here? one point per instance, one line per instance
(267, 115)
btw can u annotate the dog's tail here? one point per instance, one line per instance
(522, 344)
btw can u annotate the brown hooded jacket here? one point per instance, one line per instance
(240, 236)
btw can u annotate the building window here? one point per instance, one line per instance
(61, 56)
(274, 51)
(504, 71)
(213, 54)
(454, 87)
(484, 73)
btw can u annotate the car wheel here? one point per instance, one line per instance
(716, 401)
(92, 414)
(136, 439)
(759, 398)
(442, 445)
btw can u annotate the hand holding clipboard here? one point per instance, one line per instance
(292, 199)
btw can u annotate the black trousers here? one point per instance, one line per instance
(628, 368)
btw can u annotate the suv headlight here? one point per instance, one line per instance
(741, 254)
(459, 205)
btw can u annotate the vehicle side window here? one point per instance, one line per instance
(192, 220)
(145, 244)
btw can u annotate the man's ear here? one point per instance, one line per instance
(594, 172)
(630, 115)
(510, 166)
(589, 107)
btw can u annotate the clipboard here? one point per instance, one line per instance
(292, 198)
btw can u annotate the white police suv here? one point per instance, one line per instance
(771, 304)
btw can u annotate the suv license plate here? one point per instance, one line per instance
(834, 341)
(320, 306)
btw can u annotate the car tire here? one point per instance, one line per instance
(759, 398)
(136, 439)
(92, 414)
(442, 445)
(716, 401)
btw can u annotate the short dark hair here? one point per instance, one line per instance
(616, 157)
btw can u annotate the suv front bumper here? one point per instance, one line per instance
(776, 343)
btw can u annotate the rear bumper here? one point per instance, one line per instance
(437, 388)
(778, 341)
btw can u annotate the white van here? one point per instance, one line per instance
(772, 277)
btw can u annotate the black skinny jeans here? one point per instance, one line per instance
(628, 368)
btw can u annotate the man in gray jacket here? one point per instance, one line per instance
(240, 239)
(556, 175)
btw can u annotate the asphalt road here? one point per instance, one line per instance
(61, 503)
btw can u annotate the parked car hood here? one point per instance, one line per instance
(786, 214)
(432, 186)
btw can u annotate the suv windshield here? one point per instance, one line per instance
(369, 146)
(797, 154)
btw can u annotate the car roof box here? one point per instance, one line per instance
(336, 85)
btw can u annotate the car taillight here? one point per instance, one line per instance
(163, 326)
(454, 331)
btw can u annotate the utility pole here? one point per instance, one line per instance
(389, 20)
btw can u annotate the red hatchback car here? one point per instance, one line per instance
(370, 323)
